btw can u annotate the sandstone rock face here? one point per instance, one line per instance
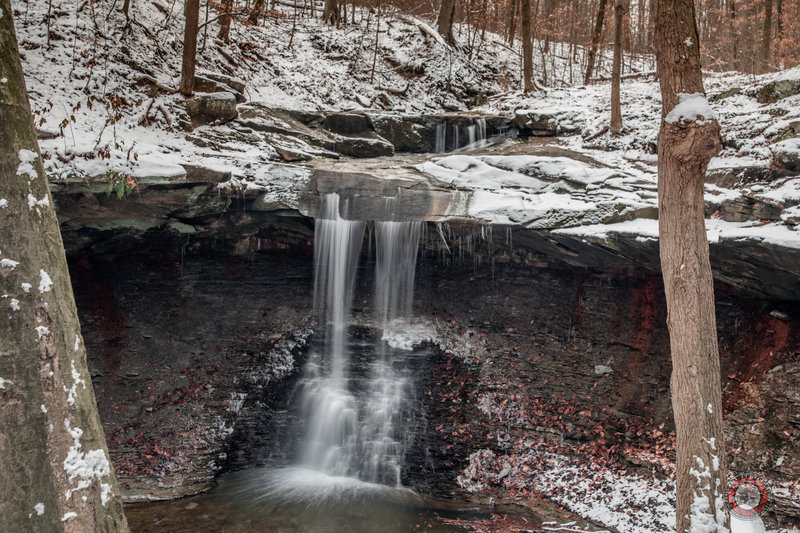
(535, 123)
(205, 108)
(786, 154)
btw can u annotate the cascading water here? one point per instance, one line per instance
(439, 146)
(476, 134)
(353, 421)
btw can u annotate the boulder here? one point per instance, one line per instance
(777, 90)
(402, 131)
(234, 83)
(531, 122)
(364, 147)
(352, 124)
(205, 108)
(786, 154)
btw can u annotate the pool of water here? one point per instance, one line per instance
(296, 500)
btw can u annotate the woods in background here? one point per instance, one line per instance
(752, 37)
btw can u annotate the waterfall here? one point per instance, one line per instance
(353, 424)
(439, 146)
(476, 134)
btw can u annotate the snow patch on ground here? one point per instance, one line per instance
(405, 334)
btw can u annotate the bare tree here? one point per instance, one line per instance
(444, 24)
(225, 21)
(192, 12)
(258, 7)
(330, 12)
(766, 36)
(598, 32)
(55, 474)
(689, 138)
(527, 47)
(616, 69)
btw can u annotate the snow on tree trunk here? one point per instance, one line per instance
(55, 474)
(689, 138)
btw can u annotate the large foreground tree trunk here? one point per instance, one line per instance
(54, 470)
(689, 138)
(192, 11)
(444, 24)
(527, 47)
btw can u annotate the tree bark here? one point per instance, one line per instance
(192, 11)
(330, 12)
(598, 32)
(684, 149)
(258, 7)
(766, 36)
(527, 47)
(55, 474)
(616, 70)
(225, 21)
(734, 35)
(512, 24)
(444, 24)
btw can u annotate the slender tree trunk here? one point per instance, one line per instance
(598, 32)
(225, 21)
(766, 36)
(734, 35)
(616, 106)
(258, 7)
(512, 25)
(527, 47)
(55, 474)
(685, 146)
(192, 9)
(126, 9)
(444, 24)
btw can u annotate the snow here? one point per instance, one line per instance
(403, 334)
(105, 493)
(4, 382)
(26, 287)
(39, 508)
(72, 392)
(45, 283)
(43, 409)
(14, 304)
(26, 158)
(3, 203)
(68, 516)
(77, 343)
(8, 263)
(691, 108)
(83, 467)
(42, 332)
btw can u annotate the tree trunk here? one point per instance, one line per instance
(527, 47)
(616, 70)
(684, 149)
(330, 12)
(55, 474)
(766, 36)
(512, 25)
(734, 35)
(225, 21)
(258, 7)
(192, 10)
(444, 24)
(598, 32)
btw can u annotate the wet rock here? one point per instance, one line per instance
(777, 90)
(405, 133)
(205, 108)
